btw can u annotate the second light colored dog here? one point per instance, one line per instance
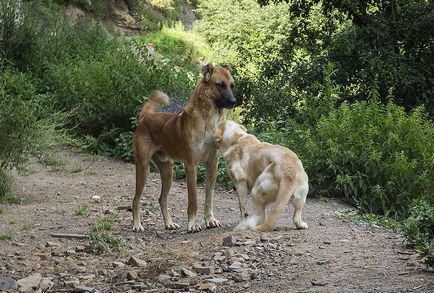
(271, 173)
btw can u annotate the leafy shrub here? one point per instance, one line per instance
(26, 125)
(419, 229)
(378, 157)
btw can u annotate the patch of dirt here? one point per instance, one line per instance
(333, 255)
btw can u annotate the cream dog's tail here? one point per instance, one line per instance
(156, 99)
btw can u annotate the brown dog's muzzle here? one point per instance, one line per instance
(226, 100)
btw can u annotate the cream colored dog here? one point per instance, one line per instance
(272, 173)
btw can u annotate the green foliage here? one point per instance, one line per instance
(378, 157)
(222, 177)
(371, 219)
(100, 240)
(4, 237)
(419, 229)
(81, 210)
(26, 125)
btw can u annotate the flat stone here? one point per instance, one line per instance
(136, 262)
(207, 286)
(164, 278)
(229, 241)
(217, 281)
(249, 242)
(323, 262)
(327, 242)
(118, 264)
(318, 283)
(132, 275)
(235, 266)
(51, 243)
(229, 254)
(71, 282)
(178, 285)
(83, 289)
(187, 273)
(139, 286)
(8, 283)
(30, 283)
(242, 277)
(203, 270)
(45, 284)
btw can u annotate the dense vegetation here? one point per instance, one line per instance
(348, 85)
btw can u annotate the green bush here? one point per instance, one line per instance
(418, 229)
(26, 125)
(378, 157)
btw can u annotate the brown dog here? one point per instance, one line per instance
(185, 136)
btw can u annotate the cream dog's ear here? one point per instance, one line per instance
(218, 135)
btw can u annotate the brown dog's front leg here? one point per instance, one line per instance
(191, 172)
(211, 168)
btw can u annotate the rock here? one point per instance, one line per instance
(95, 199)
(132, 275)
(245, 256)
(327, 242)
(88, 277)
(30, 283)
(203, 270)
(242, 277)
(118, 264)
(164, 278)
(229, 254)
(264, 238)
(80, 248)
(51, 243)
(136, 262)
(7, 283)
(219, 257)
(318, 283)
(207, 286)
(46, 284)
(235, 266)
(140, 286)
(229, 241)
(81, 270)
(71, 282)
(217, 281)
(83, 289)
(178, 285)
(249, 242)
(187, 273)
(323, 262)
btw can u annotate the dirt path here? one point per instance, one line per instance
(333, 255)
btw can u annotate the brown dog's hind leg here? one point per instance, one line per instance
(142, 158)
(166, 173)
(210, 178)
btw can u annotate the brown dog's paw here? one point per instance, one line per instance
(194, 229)
(172, 226)
(212, 223)
(138, 228)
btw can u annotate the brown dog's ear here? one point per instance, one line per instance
(228, 68)
(243, 128)
(207, 71)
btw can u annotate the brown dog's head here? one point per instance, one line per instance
(219, 85)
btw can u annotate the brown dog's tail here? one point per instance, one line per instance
(156, 99)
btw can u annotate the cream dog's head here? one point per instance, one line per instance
(227, 134)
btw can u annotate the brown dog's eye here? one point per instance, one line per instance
(221, 85)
